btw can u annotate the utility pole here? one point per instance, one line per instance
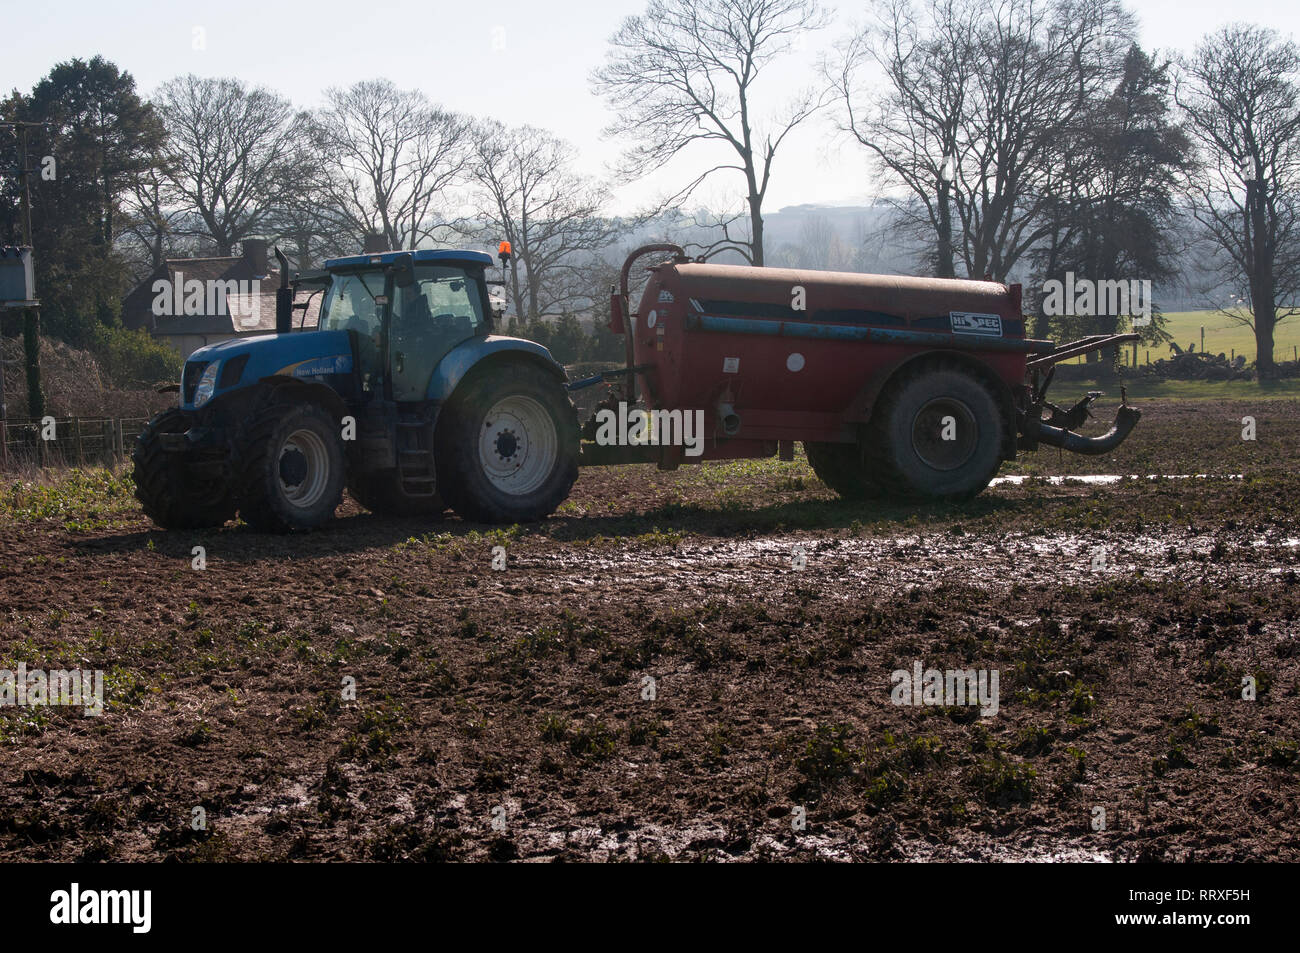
(31, 316)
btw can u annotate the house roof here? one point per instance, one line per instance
(424, 254)
(256, 315)
(138, 306)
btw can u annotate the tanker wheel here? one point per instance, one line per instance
(291, 468)
(840, 467)
(508, 446)
(383, 493)
(936, 434)
(167, 492)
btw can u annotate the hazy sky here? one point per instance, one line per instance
(520, 62)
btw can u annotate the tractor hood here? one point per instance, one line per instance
(243, 361)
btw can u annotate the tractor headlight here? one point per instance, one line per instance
(207, 384)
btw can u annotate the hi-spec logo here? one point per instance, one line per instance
(76, 906)
(971, 322)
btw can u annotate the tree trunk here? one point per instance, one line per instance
(944, 266)
(1265, 322)
(756, 229)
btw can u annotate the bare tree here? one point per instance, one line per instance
(152, 217)
(978, 95)
(552, 217)
(821, 247)
(304, 220)
(685, 72)
(389, 155)
(709, 233)
(229, 153)
(1241, 97)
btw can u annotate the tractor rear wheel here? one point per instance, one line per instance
(167, 491)
(382, 493)
(937, 433)
(508, 446)
(291, 468)
(840, 466)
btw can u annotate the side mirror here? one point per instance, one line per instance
(403, 269)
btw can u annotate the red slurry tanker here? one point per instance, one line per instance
(915, 386)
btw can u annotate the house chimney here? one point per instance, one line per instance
(254, 250)
(373, 243)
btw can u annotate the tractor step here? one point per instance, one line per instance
(415, 468)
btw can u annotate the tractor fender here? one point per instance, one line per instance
(284, 389)
(228, 408)
(860, 409)
(466, 356)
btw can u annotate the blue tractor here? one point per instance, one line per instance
(402, 395)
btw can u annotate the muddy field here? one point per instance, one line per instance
(688, 665)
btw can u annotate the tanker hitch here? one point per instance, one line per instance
(1060, 429)
(1036, 431)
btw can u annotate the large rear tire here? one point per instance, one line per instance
(291, 470)
(508, 445)
(167, 491)
(936, 434)
(382, 493)
(841, 467)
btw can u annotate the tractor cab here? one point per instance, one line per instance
(406, 311)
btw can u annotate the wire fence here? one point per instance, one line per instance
(67, 441)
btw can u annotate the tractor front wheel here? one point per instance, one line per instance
(169, 493)
(291, 468)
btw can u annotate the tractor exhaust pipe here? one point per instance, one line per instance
(283, 297)
(1126, 419)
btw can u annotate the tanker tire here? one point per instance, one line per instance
(465, 428)
(840, 467)
(163, 486)
(906, 428)
(382, 494)
(273, 468)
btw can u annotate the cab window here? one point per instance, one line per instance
(352, 305)
(440, 309)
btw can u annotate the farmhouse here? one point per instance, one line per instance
(192, 302)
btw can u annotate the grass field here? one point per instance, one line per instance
(1144, 389)
(1222, 336)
